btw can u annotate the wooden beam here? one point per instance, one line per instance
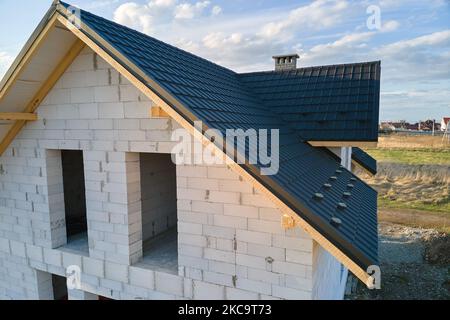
(124, 71)
(18, 116)
(24, 61)
(49, 83)
(287, 222)
(158, 112)
(331, 144)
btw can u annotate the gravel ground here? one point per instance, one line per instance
(405, 271)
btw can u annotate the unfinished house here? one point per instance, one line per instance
(93, 205)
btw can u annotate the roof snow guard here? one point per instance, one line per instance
(190, 88)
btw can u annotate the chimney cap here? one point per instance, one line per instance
(293, 55)
(286, 62)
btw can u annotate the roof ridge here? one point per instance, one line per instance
(310, 67)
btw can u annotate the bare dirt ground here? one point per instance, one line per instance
(415, 264)
(415, 218)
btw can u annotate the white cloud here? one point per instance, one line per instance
(216, 10)
(317, 15)
(341, 50)
(440, 38)
(390, 26)
(156, 13)
(190, 11)
(5, 61)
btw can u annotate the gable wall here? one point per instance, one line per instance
(231, 244)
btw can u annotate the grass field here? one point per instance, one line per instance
(413, 176)
(412, 156)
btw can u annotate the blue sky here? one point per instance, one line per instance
(412, 38)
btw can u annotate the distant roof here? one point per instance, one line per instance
(446, 119)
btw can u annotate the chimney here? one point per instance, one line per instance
(286, 62)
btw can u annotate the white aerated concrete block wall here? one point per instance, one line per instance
(230, 244)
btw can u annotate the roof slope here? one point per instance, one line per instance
(200, 90)
(218, 97)
(324, 103)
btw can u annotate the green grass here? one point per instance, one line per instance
(412, 156)
(439, 208)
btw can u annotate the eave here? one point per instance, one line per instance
(334, 144)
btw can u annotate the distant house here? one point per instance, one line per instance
(89, 188)
(412, 126)
(444, 123)
(427, 125)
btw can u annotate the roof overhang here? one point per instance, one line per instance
(56, 24)
(334, 144)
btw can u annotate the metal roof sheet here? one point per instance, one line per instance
(223, 99)
(324, 103)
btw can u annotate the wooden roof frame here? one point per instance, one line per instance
(169, 105)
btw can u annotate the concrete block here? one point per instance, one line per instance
(218, 278)
(35, 253)
(190, 228)
(300, 257)
(290, 294)
(107, 94)
(81, 95)
(221, 232)
(70, 259)
(225, 197)
(289, 268)
(254, 286)
(222, 267)
(94, 267)
(88, 111)
(278, 254)
(170, 284)
(254, 237)
(299, 244)
(251, 261)
(230, 222)
(237, 294)
(53, 257)
(207, 207)
(111, 110)
(207, 291)
(241, 211)
(217, 255)
(116, 272)
(142, 278)
(265, 276)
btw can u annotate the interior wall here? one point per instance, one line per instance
(159, 194)
(59, 287)
(74, 192)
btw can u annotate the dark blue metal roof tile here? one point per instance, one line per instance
(224, 99)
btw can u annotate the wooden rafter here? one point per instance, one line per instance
(18, 116)
(125, 72)
(158, 112)
(42, 92)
